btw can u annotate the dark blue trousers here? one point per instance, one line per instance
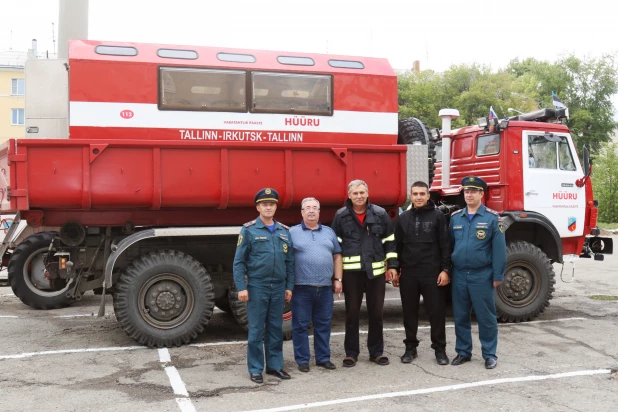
(265, 315)
(474, 289)
(311, 303)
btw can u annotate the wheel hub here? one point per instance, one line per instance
(165, 300)
(518, 284)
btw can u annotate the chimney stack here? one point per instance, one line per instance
(416, 66)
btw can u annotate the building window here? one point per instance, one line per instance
(17, 87)
(17, 117)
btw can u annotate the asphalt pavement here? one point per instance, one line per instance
(71, 360)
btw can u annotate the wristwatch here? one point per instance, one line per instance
(337, 279)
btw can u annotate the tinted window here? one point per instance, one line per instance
(488, 144)
(236, 58)
(298, 61)
(202, 89)
(177, 54)
(346, 64)
(291, 93)
(116, 50)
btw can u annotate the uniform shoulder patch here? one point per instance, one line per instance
(249, 223)
(492, 211)
(457, 211)
(284, 226)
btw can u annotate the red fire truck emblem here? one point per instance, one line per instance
(127, 114)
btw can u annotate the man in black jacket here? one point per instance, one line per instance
(365, 232)
(423, 245)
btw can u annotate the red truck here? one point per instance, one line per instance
(163, 152)
(141, 191)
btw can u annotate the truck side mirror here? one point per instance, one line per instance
(586, 162)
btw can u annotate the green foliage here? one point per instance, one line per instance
(585, 86)
(605, 181)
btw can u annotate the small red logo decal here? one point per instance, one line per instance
(126, 114)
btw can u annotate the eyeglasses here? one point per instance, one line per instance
(311, 208)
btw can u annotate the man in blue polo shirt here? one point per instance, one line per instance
(318, 272)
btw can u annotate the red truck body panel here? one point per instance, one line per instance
(186, 183)
(129, 157)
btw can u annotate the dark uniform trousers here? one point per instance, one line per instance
(265, 314)
(355, 283)
(411, 288)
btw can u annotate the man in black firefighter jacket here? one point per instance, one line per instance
(423, 245)
(368, 248)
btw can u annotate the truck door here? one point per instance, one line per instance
(550, 171)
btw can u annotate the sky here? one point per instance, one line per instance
(437, 33)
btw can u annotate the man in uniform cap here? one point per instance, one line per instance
(264, 278)
(479, 262)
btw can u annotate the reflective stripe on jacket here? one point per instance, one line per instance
(369, 247)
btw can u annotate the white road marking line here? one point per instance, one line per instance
(185, 404)
(58, 352)
(437, 389)
(244, 342)
(164, 355)
(178, 386)
(8, 316)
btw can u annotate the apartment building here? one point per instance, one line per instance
(12, 88)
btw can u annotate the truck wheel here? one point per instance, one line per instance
(239, 310)
(27, 275)
(164, 298)
(528, 283)
(413, 130)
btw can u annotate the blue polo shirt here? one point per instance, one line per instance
(313, 254)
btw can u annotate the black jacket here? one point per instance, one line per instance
(422, 241)
(370, 247)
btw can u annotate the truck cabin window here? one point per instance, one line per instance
(304, 94)
(202, 89)
(550, 152)
(488, 144)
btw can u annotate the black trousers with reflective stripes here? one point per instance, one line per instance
(434, 300)
(355, 284)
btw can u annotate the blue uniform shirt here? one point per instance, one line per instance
(313, 254)
(478, 243)
(264, 258)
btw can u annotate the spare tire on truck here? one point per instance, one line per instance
(164, 298)
(413, 130)
(29, 275)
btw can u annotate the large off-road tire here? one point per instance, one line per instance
(528, 283)
(239, 310)
(27, 265)
(413, 130)
(164, 298)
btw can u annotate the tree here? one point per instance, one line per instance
(605, 182)
(584, 86)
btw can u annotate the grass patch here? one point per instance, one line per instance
(608, 226)
(603, 297)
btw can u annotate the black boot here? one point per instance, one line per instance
(409, 355)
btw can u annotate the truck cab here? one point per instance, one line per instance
(540, 189)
